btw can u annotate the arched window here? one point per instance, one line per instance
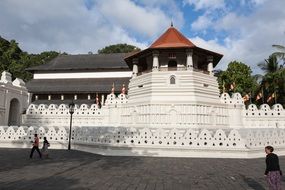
(172, 79)
(14, 112)
(172, 64)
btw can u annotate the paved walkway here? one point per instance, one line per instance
(79, 170)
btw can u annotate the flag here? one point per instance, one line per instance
(245, 98)
(123, 89)
(113, 89)
(259, 96)
(271, 97)
(233, 85)
(97, 99)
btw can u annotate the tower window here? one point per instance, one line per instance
(172, 80)
(172, 64)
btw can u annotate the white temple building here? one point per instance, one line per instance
(13, 99)
(173, 108)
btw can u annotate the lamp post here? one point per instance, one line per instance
(71, 111)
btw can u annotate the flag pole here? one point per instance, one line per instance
(262, 95)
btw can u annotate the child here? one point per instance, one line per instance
(45, 147)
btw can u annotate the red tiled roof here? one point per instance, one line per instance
(172, 38)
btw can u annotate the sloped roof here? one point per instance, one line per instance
(114, 61)
(92, 85)
(172, 38)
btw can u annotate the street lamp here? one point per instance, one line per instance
(71, 111)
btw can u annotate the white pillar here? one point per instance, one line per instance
(135, 67)
(189, 59)
(62, 97)
(88, 97)
(102, 100)
(49, 97)
(155, 61)
(75, 97)
(29, 98)
(36, 97)
(210, 65)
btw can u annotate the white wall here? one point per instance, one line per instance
(10, 90)
(171, 142)
(82, 75)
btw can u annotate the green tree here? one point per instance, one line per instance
(15, 61)
(237, 78)
(118, 48)
(273, 80)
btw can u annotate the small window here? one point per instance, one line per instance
(172, 80)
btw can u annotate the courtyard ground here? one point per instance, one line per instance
(79, 170)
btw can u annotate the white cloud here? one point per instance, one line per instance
(139, 19)
(258, 2)
(249, 38)
(206, 4)
(68, 25)
(203, 22)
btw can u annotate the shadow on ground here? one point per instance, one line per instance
(80, 170)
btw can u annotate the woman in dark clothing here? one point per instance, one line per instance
(272, 172)
(45, 148)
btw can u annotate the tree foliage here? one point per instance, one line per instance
(15, 61)
(118, 48)
(273, 81)
(236, 78)
(280, 53)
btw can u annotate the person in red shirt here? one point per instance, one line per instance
(36, 146)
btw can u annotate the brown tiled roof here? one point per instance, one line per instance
(92, 85)
(172, 38)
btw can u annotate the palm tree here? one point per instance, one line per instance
(280, 53)
(273, 79)
(270, 65)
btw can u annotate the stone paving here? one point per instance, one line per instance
(79, 170)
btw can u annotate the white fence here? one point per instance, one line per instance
(244, 143)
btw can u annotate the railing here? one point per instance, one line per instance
(162, 69)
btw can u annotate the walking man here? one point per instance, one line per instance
(35, 146)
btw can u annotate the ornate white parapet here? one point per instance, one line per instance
(234, 106)
(84, 115)
(6, 77)
(265, 116)
(172, 142)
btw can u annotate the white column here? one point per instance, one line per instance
(102, 100)
(88, 97)
(49, 97)
(189, 59)
(210, 65)
(135, 67)
(62, 97)
(155, 61)
(75, 97)
(29, 98)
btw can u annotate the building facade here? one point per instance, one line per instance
(171, 107)
(78, 78)
(13, 100)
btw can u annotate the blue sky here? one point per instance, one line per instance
(242, 30)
